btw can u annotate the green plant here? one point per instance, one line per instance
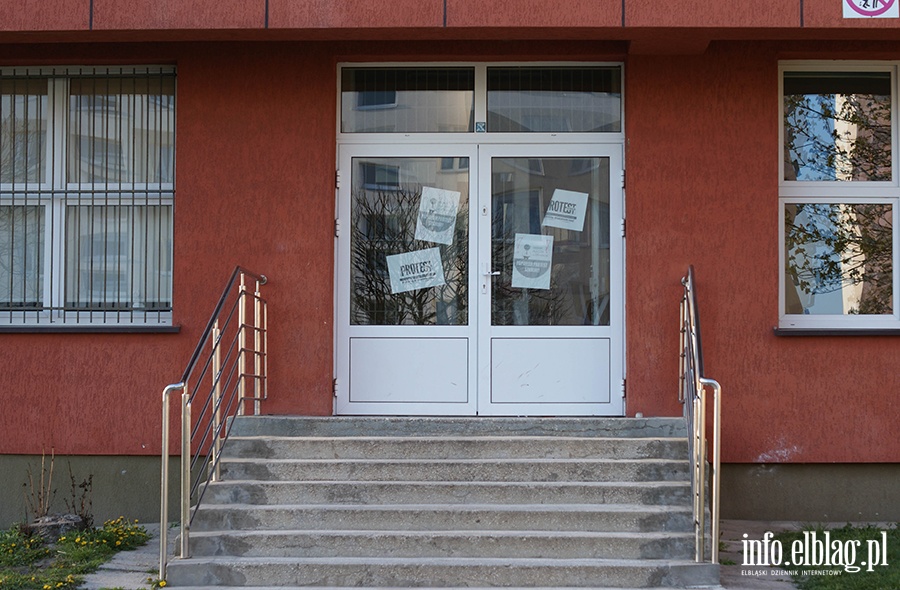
(20, 548)
(837, 576)
(29, 563)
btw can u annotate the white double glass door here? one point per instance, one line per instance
(480, 279)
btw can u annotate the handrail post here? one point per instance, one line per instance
(242, 344)
(714, 465)
(257, 364)
(217, 401)
(185, 472)
(694, 386)
(265, 344)
(164, 481)
(700, 453)
(233, 361)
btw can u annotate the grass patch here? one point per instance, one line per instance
(848, 547)
(28, 562)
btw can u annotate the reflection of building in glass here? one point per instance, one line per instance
(838, 252)
(441, 100)
(838, 259)
(522, 189)
(385, 211)
(837, 127)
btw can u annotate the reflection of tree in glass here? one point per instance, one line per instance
(514, 306)
(837, 136)
(383, 224)
(832, 247)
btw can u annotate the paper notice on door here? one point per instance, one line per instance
(419, 269)
(437, 215)
(532, 257)
(566, 210)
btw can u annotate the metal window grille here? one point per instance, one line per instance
(87, 186)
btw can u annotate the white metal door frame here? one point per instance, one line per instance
(380, 339)
(552, 336)
(478, 333)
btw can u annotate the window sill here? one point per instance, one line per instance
(836, 331)
(88, 329)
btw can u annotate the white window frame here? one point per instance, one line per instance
(480, 108)
(838, 192)
(56, 194)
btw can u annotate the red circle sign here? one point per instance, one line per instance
(875, 10)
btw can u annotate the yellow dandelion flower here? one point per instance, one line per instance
(162, 583)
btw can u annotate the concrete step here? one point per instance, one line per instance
(377, 469)
(474, 426)
(417, 572)
(383, 502)
(447, 492)
(494, 544)
(437, 517)
(470, 447)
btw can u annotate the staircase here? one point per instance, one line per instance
(448, 502)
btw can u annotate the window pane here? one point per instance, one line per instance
(407, 100)
(119, 258)
(21, 257)
(23, 130)
(122, 129)
(550, 241)
(409, 247)
(837, 126)
(554, 99)
(838, 259)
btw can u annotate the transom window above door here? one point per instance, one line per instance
(533, 98)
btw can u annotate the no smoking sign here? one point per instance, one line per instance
(871, 8)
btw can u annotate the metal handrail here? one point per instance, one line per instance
(692, 394)
(221, 371)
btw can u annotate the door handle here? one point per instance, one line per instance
(489, 273)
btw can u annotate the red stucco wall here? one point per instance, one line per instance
(702, 158)
(255, 169)
(255, 166)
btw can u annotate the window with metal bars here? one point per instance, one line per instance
(87, 185)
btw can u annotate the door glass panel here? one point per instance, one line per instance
(550, 241)
(409, 246)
